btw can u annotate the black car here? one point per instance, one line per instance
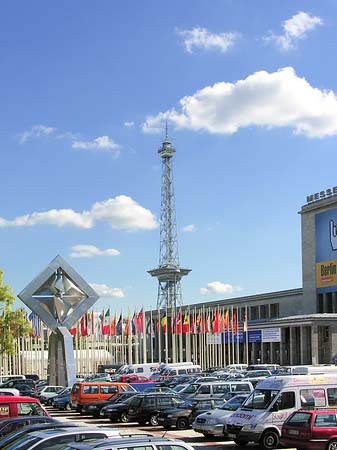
(13, 423)
(184, 413)
(25, 387)
(94, 409)
(145, 408)
(117, 411)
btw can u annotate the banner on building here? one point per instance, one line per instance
(326, 251)
(271, 335)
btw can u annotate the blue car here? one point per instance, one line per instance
(62, 401)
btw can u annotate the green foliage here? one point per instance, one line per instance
(13, 323)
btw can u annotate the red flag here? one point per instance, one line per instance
(186, 323)
(178, 323)
(84, 325)
(216, 323)
(140, 321)
(127, 326)
(226, 320)
(207, 325)
(235, 323)
(221, 323)
(73, 331)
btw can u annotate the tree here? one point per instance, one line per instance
(13, 323)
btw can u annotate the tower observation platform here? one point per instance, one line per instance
(168, 273)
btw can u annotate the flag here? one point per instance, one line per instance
(186, 323)
(178, 327)
(221, 323)
(84, 325)
(140, 322)
(226, 320)
(113, 326)
(245, 321)
(164, 323)
(157, 326)
(194, 326)
(134, 323)
(119, 326)
(199, 324)
(36, 324)
(216, 327)
(150, 328)
(127, 326)
(235, 323)
(92, 322)
(73, 331)
(207, 324)
(106, 325)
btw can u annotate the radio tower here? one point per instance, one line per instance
(169, 272)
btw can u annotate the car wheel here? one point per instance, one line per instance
(269, 440)
(182, 423)
(124, 417)
(67, 407)
(240, 442)
(154, 420)
(332, 445)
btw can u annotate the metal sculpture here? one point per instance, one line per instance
(59, 296)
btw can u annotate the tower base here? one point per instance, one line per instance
(61, 371)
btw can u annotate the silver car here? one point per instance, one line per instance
(212, 422)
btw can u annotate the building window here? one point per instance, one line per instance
(264, 311)
(319, 303)
(254, 313)
(274, 311)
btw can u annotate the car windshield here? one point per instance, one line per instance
(260, 399)
(190, 389)
(233, 404)
(21, 443)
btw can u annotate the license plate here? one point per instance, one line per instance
(293, 432)
(231, 435)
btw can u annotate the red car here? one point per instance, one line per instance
(134, 379)
(311, 429)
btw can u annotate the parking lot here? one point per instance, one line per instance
(189, 436)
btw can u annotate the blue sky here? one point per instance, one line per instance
(249, 93)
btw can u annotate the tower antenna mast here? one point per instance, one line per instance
(169, 272)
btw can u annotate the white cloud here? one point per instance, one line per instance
(100, 143)
(104, 143)
(189, 228)
(35, 132)
(204, 39)
(121, 212)
(105, 291)
(263, 99)
(295, 29)
(90, 251)
(217, 287)
(129, 124)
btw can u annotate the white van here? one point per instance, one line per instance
(312, 370)
(174, 370)
(145, 370)
(5, 378)
(261, 416)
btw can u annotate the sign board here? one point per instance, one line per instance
(326, 251)
(271, 335)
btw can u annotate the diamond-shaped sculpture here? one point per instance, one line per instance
(59, 295)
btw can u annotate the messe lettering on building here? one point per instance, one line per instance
(320, 195)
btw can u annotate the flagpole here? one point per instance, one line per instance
(159, 336)
(166, 338)
(151, 336)
(246, 334)
(173, 325)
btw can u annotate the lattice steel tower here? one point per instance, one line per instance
(169, 272)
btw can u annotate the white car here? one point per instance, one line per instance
(211, 423)
(48, 391)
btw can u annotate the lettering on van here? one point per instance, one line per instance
(243, 416)
(4, 410)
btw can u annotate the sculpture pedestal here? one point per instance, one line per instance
(62, 371)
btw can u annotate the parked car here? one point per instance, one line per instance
(47, 392)
(62, 400)
(90, 392)
(62, 392)
(144, 408)
(153, 443)
(12, 406)
(25, 387)
(162, 389)
(12, 424)
(184, 413)
(51, 438)
(314, 429)
(11, 437)
(117, 411)
(94, 409)
(134, 379)
(217, 389)
(211, 423)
